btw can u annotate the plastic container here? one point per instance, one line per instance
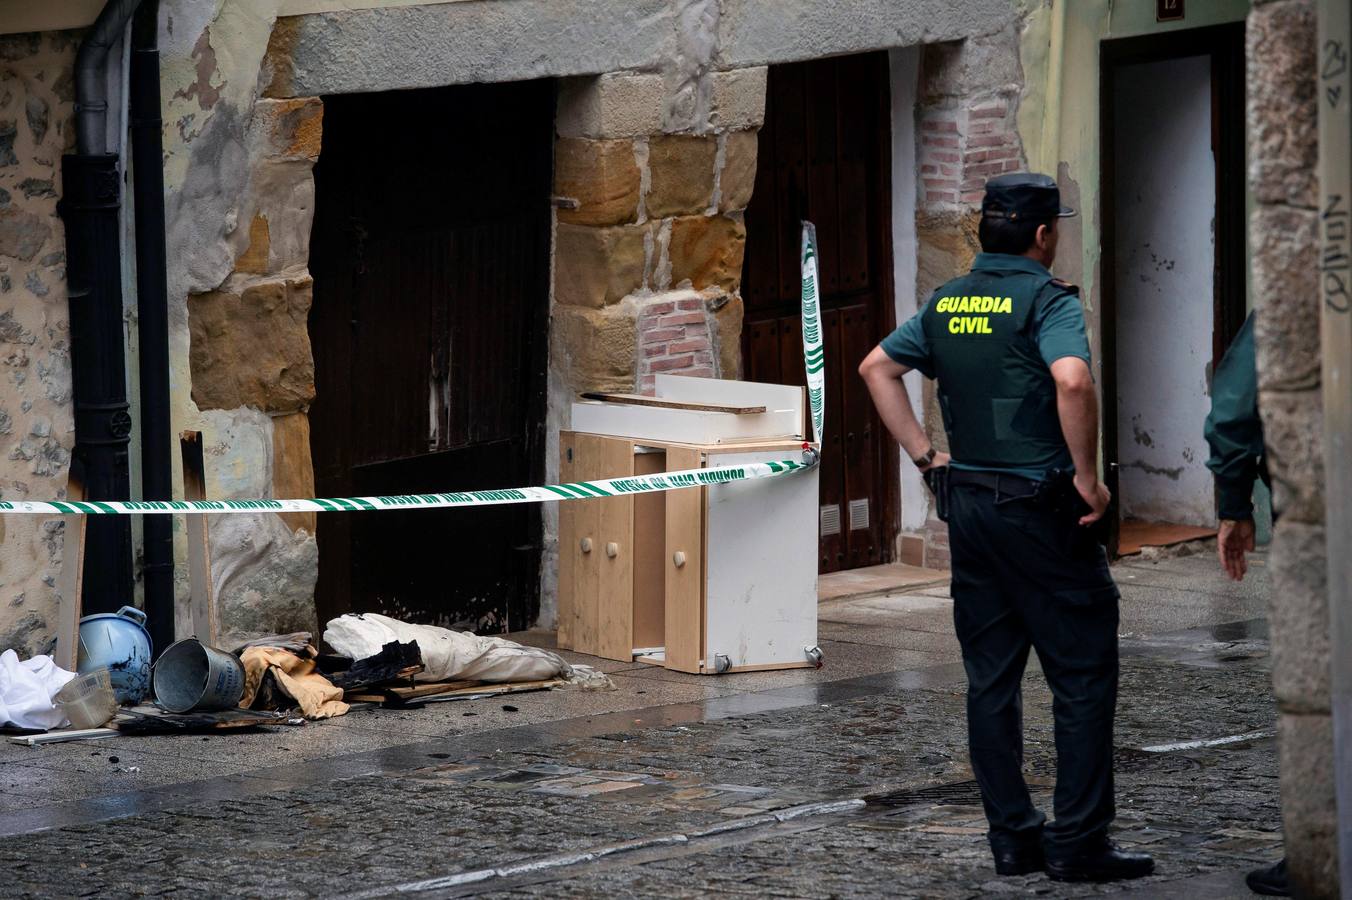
(192, 676)
(88, 699)
(119, 643)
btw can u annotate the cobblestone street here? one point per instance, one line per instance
(793, 786)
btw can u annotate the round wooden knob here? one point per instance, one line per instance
(612, 549)
(678, 558)
(586, 545)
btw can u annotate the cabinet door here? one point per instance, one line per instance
(760, 598)
(596, 540)
(685, 567)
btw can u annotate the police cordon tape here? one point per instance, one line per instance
(813, 358)
(582, 490)
(814, 355)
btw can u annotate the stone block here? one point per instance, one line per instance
(254, 259)
(707, 251)
(1298, 616)
(22, 233)
(1293, 433)
(1281, 116)
(738, 98)
(596, 349)
(251, 346)
(1285, 257)
(264, 577)
(614, 105)
(681, 171)
(1309, 813)
(728, 313)
(602, 176)
(737, 178)
(947, 244)
(595, 267)
(293, 127)
(293, 474)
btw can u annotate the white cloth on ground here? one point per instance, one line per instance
(26, 691)
(447, 655)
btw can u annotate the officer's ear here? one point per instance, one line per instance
(1044, 236)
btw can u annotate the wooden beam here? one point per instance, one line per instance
(70, 580)
(204, 625)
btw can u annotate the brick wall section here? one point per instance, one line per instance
(674, 339)
(961, 146)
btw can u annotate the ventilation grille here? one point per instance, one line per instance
(830, 520)
(858, 515)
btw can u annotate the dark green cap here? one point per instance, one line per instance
(1020, 196)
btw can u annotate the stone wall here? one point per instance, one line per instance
(966, 125)
(239, 205)
(1283, 236)
(37, 429)
(650, 234)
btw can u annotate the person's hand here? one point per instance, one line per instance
(1095, 494)
(940, 460)
(1233, 540)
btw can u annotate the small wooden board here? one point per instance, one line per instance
(668, 403)
(449, 689)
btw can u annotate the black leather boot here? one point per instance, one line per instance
(1018, 860)
(1099, 862)
(1269, 881)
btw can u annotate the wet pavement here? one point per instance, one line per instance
(794, 784)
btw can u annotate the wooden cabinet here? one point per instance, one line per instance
(704, 580)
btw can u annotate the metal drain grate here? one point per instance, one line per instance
(957, 793)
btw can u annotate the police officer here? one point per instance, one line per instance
(1007, 346)
(1235, 433)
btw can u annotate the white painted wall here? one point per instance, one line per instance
(1166, 205)
(904, 64)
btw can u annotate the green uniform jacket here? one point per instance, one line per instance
(1234, 430)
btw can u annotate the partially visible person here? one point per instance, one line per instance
(1235, 433)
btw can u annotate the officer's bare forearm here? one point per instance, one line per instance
(1077, 407)
(883, 376)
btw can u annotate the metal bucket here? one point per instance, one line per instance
(192, 676)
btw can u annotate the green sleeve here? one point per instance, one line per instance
(1233, 429)
(1058, 322)
(908, 346)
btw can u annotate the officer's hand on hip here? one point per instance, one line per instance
(1095, 494)
(940, 460)
(1234, 539)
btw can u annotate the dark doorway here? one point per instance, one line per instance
(1173, 231)
(825, 156)
(430, 255)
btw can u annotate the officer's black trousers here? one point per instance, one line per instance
(1023, 577)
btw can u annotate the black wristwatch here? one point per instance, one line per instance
(925, 459)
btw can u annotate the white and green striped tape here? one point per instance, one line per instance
(582, 490)
(814, 356)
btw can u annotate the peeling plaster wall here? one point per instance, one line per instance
(37, 429)
(239, 201)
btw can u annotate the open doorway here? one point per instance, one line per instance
(1173, 269)
(430, 255)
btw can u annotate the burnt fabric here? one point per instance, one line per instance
(315, 695)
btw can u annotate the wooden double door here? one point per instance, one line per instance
(824, 155)
(430, 255)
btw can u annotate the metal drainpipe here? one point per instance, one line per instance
(91, 197)
(152, 304)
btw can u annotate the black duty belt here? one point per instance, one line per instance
(1004, 485)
